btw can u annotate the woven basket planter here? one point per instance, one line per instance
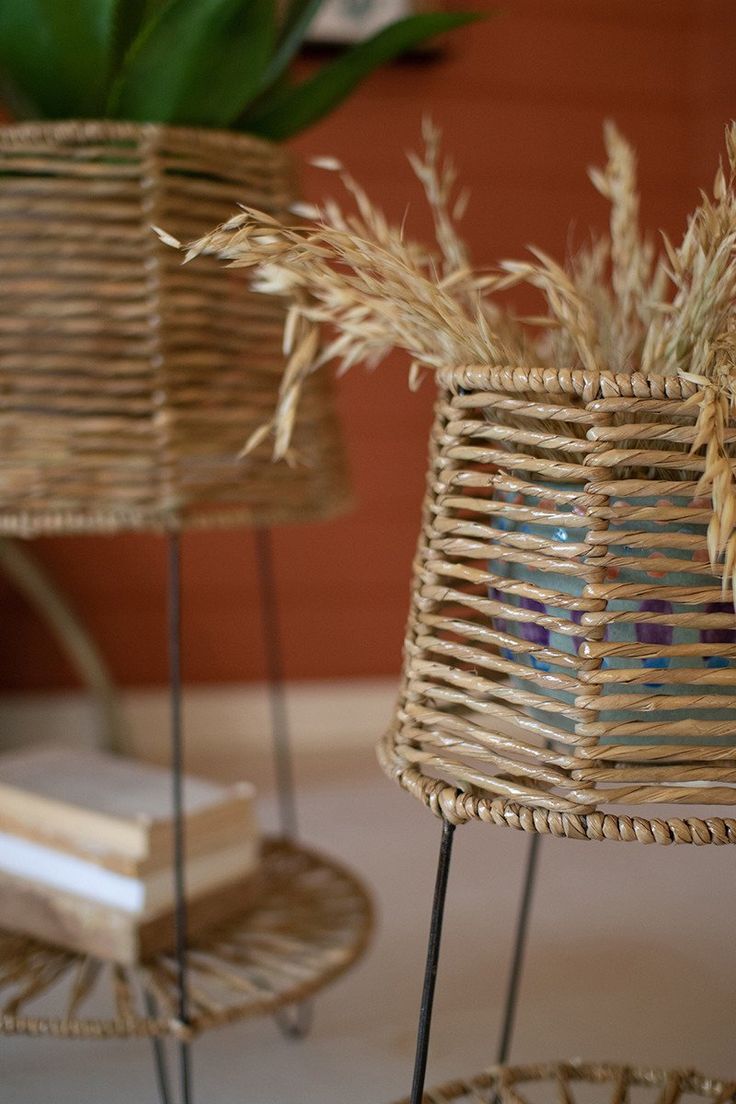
(568, 1082)
(128, 383)
(569, 650)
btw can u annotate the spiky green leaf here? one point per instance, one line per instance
(59, 53)
(295, 107)
(129, 18)
(295, 25)
(196, 63)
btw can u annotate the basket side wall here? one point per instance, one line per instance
(130, 382)
(569, 646)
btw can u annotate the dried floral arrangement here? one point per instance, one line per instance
(622, 304)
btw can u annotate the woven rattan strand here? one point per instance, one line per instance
(128, 382)
(570, 656)
(593, 1081)
(311, 923)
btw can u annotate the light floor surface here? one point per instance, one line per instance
(632, 957)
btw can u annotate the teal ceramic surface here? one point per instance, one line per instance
(626, 632)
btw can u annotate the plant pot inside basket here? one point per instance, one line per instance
(656, 634)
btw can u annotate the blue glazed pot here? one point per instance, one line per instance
(626, 632)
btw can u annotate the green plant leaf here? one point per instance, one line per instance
(196, 62)
(129, 18)
(294, 27)
(299, 106)
(59, 52)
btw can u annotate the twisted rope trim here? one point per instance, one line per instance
(580, 382)
(24, 526)
(509, 1081)
(459, 806)
(51, 132)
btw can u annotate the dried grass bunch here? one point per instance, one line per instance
(363, 277)
(621, 304)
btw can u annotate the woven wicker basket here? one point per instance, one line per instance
(128, 383)
(567, 1082)
(569, 651)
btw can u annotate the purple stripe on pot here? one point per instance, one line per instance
(534, 633)
(719, 636)
(500, 623)
(530, 630)
(724, 635)
(497, 596)
(648, 633)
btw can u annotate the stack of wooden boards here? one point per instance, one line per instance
(87, 845)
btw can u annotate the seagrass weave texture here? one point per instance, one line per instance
(570, 1082)
(128, 382)
(569, 650)
(311, 923)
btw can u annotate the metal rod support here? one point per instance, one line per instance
(292, 1023)
(185, 1073)
(295, 1022)
(177, 771)
(280, 730)
(520, 940)
(159, 1055)
(433, 956)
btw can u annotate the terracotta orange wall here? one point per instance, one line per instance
(521, 99)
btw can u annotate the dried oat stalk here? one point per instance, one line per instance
(359, 276)
(618, 305)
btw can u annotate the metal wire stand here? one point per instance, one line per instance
(293, 1023)
(163, 1080)
(433, 956)
(280, 728)
(163, 1083)
(433, 953)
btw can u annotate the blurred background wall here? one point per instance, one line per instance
(520, 99)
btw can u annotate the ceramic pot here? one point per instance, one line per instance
(663, 635)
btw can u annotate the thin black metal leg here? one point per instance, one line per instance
(177, 769)
(185, 1072)
(293, 1023)
(159, 1056)
(520, 940)
(433, 956)
(280, 731)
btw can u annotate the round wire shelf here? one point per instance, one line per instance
(311, 923)
(577, 1082)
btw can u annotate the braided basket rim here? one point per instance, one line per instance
(55, 129)
(581, 382)
(507, 1078)
(459, 806)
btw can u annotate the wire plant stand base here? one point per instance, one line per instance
(311, 923)
(162, 395)
(499, 1085)
(571, 1082)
